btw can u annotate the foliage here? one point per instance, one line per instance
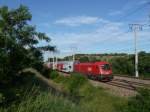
(84, 59)
(18, 42)
(76, 80)
(122, 65)
(1, 98)
(125, 64)
(93, 99)
(53, 74)
(43, 102)
(139, 103)
(72, 83)
(93, 59)
(46, 72)
(144, 63)
(19, 49)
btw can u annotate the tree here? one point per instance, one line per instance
(18, 42)
(84, 59)
(122, 65)
(144, 63)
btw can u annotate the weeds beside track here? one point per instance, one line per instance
(120, 86)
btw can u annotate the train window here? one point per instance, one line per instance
(105, 67)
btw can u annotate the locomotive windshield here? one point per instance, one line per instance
(105, 67)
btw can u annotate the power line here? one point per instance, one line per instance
(134, 11)
(127, 15)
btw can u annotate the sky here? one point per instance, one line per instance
(89, 26)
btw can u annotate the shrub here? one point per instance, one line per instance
(92, 99)
(72, 83)
(44, 102)
(122, 65)
(1, 98)
(139, 103)
(53, 74)
(76, 81)
(46, 72)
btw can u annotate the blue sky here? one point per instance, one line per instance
(89, 26)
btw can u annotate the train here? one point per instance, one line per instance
(95, 70)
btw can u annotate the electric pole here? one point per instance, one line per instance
(135, 28)
(57, 53)
(73, 48)
(53, 61)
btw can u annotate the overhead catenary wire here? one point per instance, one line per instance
(123, 17)
(120, 19)
(134, 11)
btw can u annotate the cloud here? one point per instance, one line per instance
(112, 37)
(89, 38)
(79, 20)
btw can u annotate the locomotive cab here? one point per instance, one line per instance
(105, 69)
(105, 72)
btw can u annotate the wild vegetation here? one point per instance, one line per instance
(18, 50)
(39, 98)
(90, 99)
(23, 92)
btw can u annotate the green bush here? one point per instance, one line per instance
(122, 65)
(139, 103)
(46, 72)
(44, 102)
(76, 81)
(2, 98)
(53, 74)
(72, 83)
(93, 99)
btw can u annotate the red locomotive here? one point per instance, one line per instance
(94, 70)
(97, 70)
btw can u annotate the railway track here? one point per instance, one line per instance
(123, 86)
(125, 82)
(131, 85)
(133, 77)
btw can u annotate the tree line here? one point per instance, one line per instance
(122, 63)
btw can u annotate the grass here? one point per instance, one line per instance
(48, 102)
(93, 99)
(139, 103)
(44, 102)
